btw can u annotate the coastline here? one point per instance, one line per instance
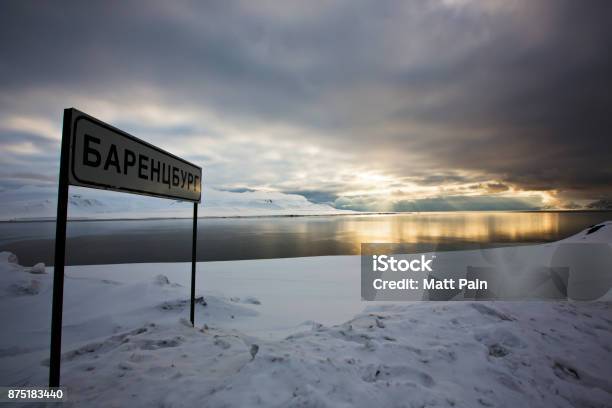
(298, 215)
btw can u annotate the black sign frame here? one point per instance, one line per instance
(71, 117)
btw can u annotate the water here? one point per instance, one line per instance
(102, 242)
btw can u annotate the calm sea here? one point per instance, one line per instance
(101, 242)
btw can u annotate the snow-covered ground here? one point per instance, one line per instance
(293, 332)
(36, 203)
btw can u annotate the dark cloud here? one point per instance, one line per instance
(11, 137)
(237, 189)
(466, 203)
(445, 178)
(495, 187)
(16, 180)
(493, 93)
(316, 196)
(452, 203)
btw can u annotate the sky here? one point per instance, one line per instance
(366, 105)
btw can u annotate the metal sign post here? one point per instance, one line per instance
(60, 255)
(97, 155)
(193, 262)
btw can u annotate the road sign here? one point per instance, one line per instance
(97, 155)
(105, 157)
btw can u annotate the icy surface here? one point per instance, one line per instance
(293, 332)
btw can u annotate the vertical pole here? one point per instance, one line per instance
(193, 261)
(60, 253)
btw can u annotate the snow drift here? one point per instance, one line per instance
(292, 332)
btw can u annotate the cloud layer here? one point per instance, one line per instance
(370, 105)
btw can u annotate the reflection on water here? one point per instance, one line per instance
(92, 242)
(468, 227)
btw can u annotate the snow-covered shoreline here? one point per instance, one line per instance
(293, 332)
(288, 214)
(32, 203)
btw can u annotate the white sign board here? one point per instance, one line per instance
(105, 157)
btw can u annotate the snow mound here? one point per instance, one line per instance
(8, 258)
(125, 329)
(38, 269)
(421, 354)
(251, 300)
(601, 233)
(15, 281)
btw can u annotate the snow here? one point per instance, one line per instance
(39, 203)
(293, 332)
(39, 269)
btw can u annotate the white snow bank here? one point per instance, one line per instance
(35, 203)
(126, 341)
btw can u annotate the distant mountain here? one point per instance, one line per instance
(33, 202)
(604, 204)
